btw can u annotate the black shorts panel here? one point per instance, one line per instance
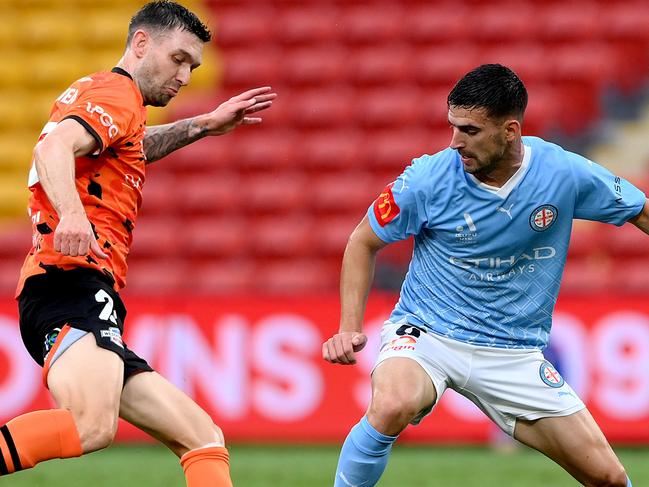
(81, 298)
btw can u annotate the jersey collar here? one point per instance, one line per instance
(512, 182)
(121, 71)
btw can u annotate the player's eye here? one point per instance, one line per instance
(177, 60)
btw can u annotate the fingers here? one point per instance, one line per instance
(74, 237)
(265, 98)
(339, 350)
(96, 249)
(258, 106)
(251, 120)
(252, 93)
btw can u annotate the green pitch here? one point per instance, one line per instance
(313, 466)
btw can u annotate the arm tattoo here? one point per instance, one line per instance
(161, 140)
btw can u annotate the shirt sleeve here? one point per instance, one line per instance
(602, 196)
(101, 110)
(400, 210)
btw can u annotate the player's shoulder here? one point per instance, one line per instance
(553, 156)
(113, 84)
(433, 167)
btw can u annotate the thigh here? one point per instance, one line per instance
(86, 377)
(508, 385)
(403, 377)
(575, 442)
(87, 380)
(156, 406)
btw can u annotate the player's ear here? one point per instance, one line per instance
(512, 129)
(140, 42)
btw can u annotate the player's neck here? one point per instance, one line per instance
(498, 174)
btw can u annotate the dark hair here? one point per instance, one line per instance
(163, 15)
(491, 86)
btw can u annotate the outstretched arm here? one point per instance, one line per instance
(161, 140)
(355, 281)
(642, 220)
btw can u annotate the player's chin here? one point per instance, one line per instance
(161, 101)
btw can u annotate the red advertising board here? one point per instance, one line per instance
(254, 363)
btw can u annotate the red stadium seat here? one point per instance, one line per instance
(281, 236)
(631, 277)
(9, 273)
(528, 60)
(497, 23)
(587, 240)
(569, 22)
(307, 25)
(331, 233)
(218, 236)
(238, 27)
(380, 65)
(247, 68)
(160, 194)
(157, 277)
(222, 277)
(314, 66)
(297, 276)
(372, 24)
(273, 192)
(434, 109)
(208, 193)
(390, 107)
(580, 72)
(348, 193)
(15, 241)
(332, 150)
(319, 108)
(544, 110)
(435, 24)
(624, 27)
(586, 276)
(442, 66)
(395, 149)
(157, 237)
(266, 150)
(209, 154)
(627, 241)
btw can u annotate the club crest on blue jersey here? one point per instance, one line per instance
(543, 217)
(550, 375)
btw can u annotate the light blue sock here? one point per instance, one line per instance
(628, 482)
(363, 456)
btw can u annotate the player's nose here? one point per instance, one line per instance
(457, 141)
(183, 76)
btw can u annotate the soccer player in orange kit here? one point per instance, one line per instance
(86, 189)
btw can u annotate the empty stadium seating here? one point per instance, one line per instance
(362, 90)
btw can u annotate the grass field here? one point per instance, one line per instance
(313, 466)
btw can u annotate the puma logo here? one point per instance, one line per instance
(507, 211)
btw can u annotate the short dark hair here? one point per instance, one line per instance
(163, 15)
(493, 87)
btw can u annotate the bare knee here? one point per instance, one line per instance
(390, 415)
(204, 433)
(611, 477)
(96, 430)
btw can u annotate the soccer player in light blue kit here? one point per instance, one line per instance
(491, 217)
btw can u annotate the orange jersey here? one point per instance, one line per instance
(109, 181)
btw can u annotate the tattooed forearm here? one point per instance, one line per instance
(161, 140)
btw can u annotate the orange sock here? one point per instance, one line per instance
(36, 437)
(207, 467)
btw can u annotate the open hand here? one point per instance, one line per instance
(234, 112)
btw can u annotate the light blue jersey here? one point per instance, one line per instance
(487, 262)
